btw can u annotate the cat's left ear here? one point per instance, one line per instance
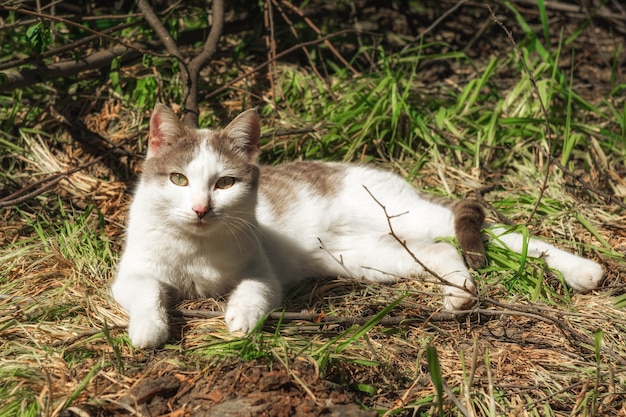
(244, 132)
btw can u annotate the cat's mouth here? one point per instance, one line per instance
(203, 222)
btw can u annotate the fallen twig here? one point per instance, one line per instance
(40, 186)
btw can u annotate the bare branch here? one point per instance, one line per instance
(317, 30)
(15, 63)
(100, 59)
(402, 242)
(71, 23)
(40, 186)
(548, 134)
(277, 57)
(162, 33)
(190, 118)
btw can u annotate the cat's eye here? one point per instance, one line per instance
(225, 182)
(179, 179)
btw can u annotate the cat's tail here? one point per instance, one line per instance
(469, 219)
(579, 273)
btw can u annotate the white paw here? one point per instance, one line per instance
(148, 331)
(250, 301)
(243, 315)
(461, 297)
(582, 274)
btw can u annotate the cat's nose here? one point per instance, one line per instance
(200, 209)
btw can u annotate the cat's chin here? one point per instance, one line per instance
(197, 227)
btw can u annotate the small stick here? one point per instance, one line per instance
(548, 134)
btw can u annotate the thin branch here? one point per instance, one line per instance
(74, 24)
(50, 181)
(393, 234)
(548, 134)
(15, 63)
(338, 260)
(287, 316)
(616, 17)
(610, 198)
(190, 117)
(428, 314)
(154, 21)
(96, 60)
(312, 25)
(436, 23)
(278, 56)
(287, 132)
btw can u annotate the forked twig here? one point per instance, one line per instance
(76, 25)
(338, 260)
(317, 30)
(393, 234)
(189, 76)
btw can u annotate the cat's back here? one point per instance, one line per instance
(320, 196)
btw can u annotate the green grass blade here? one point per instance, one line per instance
(361, 331)
(434, 369)
(543, 15)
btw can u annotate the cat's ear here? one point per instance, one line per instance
(244, 133)
(165, 128)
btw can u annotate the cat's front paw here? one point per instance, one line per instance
(148, 332)
(250, 301)
(459, 297)
(582, 274)
(243, 316)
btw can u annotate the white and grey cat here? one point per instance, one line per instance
(207, 220)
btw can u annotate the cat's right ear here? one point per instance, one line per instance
(165, 128)
(244, 133)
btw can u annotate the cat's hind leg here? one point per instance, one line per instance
(388, 259)
(445, 262)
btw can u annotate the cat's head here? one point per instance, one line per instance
(198, 180)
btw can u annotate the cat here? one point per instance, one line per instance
(207, 220)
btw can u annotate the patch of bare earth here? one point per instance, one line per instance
(256, 388)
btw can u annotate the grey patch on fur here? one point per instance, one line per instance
(280, 184)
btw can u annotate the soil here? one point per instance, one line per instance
(256, 388)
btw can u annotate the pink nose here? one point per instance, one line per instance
(200, 210)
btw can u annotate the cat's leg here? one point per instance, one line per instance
(579, 273)
(251, 300)
(448, 264)
(444, 260)
(387, 260)
(144, 301)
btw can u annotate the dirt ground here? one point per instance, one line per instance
(239, 389)
(261, 387)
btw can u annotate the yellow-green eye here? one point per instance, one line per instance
(225, 182)
(179, 179)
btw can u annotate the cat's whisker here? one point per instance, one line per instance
(247, 228)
